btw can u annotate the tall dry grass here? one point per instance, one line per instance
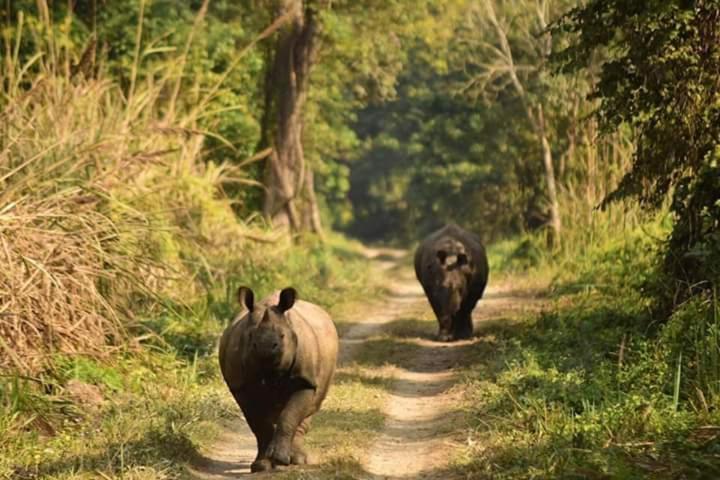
(106, 204)
(599, 164)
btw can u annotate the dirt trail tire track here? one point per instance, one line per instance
(417, 439)
(420, 433)
(423, 426)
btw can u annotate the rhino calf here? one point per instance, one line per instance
(278, 359)
(451, 265)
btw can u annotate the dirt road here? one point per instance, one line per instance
(423, 425)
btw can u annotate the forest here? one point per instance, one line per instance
(155, 155)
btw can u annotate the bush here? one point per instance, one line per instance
(108, 210)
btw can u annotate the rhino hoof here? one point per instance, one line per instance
(261, 465)
(445, 337)
(279, 454)
(280, 458)
(463, 335)
(298, 457)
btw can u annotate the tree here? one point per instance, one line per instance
(663, 80)
(340, 49)
(509, 45)
(290, 61)
(429, 156)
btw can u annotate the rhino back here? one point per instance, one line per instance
(452, 238)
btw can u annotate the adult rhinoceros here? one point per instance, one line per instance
(278, 359)
(451, 265)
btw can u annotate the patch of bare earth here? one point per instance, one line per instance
(423, 426)
(230, 456)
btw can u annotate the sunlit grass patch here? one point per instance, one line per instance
(594, 386)
(580, 389)
(137, 417)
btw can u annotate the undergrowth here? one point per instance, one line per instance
(142, 410)
(597, 385)
(120, 256)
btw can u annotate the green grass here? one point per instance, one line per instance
(596, 386)
(161, 394)
(149, 421)
(350, 418)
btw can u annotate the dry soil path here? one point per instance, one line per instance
(420, 431)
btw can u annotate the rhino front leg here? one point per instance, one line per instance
(263, 430)
(262, 427)
(297, 409)
(299, 455)
(445, 333)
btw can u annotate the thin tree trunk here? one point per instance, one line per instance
(314, 209)
(537, 121)
(286, 91)
(555, 222)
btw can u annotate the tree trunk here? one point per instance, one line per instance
(537, 121)
(315, 223)
(286, 90)
(555, 222)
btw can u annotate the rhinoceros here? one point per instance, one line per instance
(278, 359)
(451, 265)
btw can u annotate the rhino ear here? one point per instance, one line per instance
(246, 297)
(441, 256)
(287, 299)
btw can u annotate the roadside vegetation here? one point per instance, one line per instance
(618, 376)
(155, 155)
(122, 249)
(141, 407)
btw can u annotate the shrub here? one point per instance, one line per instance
(107, 207)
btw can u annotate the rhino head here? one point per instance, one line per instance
(271, 341)
(451, 285)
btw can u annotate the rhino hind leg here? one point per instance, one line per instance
(462, 326)
(444, 335)
(299, 455)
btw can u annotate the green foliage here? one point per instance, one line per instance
(150, 424)
(583, 387)
(460, 142)
(87, 371)
(429, 157)
(181, 48)
(108, 209)
(357, 69)
(661, 78)
(692, 337)
(519, 255)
